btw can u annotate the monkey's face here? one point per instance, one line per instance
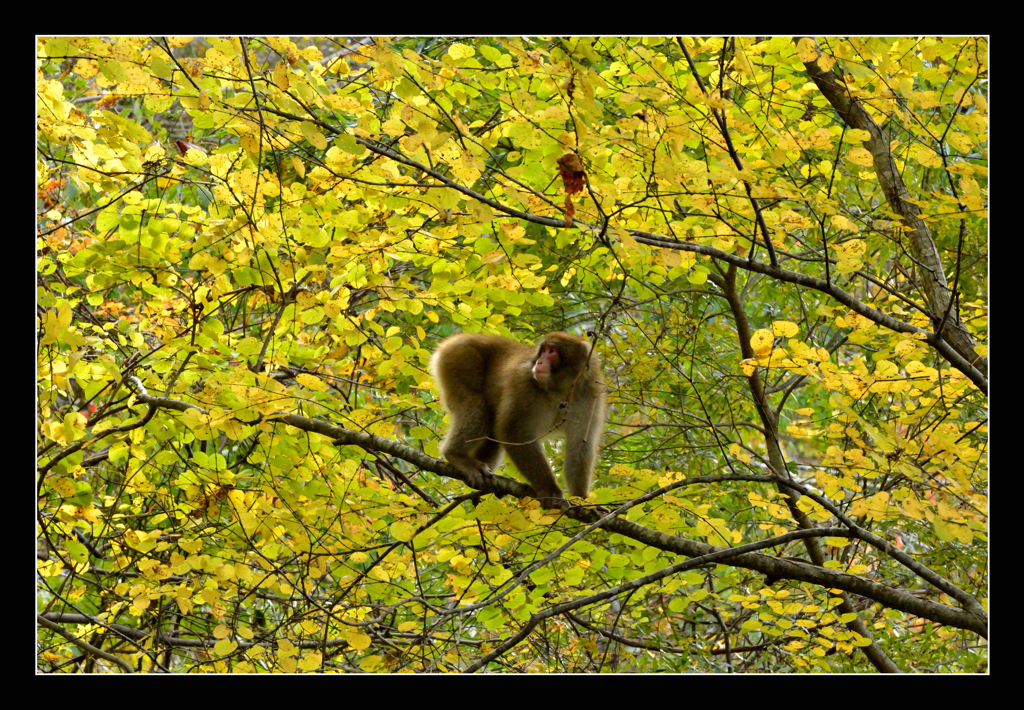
(548, 361)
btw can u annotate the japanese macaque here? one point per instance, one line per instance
(509, 396)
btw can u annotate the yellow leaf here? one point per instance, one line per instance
(315, 137)
(372, 664)
(233, 429)
(311, 382)
(357, 640)
(671, 257)
(459, 51)
(904, 348)
(877, 505)
(841, 222)
(860, 156)
(281, 75)
(224, 647)
(748, 366)
(761, 341)
(64, 487)
(250, 144)
(807, 49)
(196, 421)
(311, 662)
(942, 530)
(912, 507)
(886, 368)
(625, 237)
(64, 315)
(926, 156)
(784, 328)
(959, 141)
(401, 531)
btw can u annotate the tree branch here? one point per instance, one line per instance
(770, 566)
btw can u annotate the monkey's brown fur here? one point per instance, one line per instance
(504, 395)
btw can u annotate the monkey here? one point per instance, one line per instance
(508, 396)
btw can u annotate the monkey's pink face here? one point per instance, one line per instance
(547, 362)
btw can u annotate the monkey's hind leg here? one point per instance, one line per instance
(533, 464)
(489, 453)
(468, 446)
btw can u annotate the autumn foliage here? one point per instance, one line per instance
(247, 249)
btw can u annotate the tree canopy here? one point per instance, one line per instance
(247, 249)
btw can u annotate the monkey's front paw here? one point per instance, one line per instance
(477, 473)
(549, 497)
